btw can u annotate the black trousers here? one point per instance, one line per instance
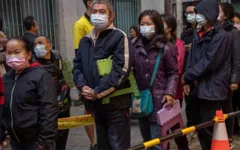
(62, 134)
(236, 107)
(204, 110)
(113, 129)
(227, 107)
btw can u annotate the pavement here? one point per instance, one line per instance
(78, 139)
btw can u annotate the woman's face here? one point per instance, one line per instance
(236, 20)
(133, 33)
(15, 48)
(147, 21)
(221, 16)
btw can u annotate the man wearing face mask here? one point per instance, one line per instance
(208, 67)
(52, 62)
(111, 117)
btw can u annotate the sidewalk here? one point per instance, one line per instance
(78, 139)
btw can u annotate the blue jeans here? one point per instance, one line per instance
(113, 129)
(29, 146)
(149, 131)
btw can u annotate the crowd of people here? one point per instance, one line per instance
(201, 68)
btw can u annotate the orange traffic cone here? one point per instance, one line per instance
(220, 138)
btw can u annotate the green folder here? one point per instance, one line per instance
(104, 68)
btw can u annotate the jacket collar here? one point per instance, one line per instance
(92, 33)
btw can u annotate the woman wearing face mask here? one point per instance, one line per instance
(134, 34)
(152, 41)
(52, 62)
(236, 20)
(226, 14)
(30, 110)
(170, 25)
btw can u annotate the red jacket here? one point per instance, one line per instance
(181, 58)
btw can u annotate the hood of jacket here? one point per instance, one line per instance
(209, 8)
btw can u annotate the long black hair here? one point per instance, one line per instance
(172, 24)
(228, 10)
(136, 30)
(157, 20)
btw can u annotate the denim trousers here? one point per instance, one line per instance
(113, 129)
(149, 131)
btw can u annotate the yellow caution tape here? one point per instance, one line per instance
(152, 143)
(76, 121)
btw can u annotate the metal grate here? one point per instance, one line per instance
(13, 12)
(126, 13)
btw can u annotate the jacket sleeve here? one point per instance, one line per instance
(171, 66)
(78, 34)
(48, 111)
(235, 71)
(211, 59)
(121, 67)
(2, 130)
(181, 56)
(78, 75)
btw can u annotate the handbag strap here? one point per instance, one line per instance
(156, 67)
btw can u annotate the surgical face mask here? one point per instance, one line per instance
(191, 18)
(201, 20)
(40, 51)
(237, 26)
(17, 63)
(147, 31)
(99, 21)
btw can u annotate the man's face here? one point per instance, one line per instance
(89, 3)
(102, 9)
(190, 10)
(43, 41)
(35, 27)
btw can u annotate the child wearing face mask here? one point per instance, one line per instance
(52, 62)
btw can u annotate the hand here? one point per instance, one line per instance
(88, 93)
(186, 89)
(41, 147)
(170, 99)
(234, 86)
(188, 47)
(182, 79)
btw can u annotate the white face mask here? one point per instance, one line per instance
(201, 20)
(40, 51)
(99, 21)
(191, 18)
(147, 31)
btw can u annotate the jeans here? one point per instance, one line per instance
(204, 110)
(113, 129)
(62, 134)
(29, 146)
(149, 131)
(228, 108)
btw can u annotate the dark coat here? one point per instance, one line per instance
(235, 59)
(30, 109)
(30, 38)
(111, 42)
(167, 77)
(208, 64)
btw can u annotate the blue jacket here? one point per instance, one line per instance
(208, 65)
(110, 42)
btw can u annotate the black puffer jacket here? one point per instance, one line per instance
(30, 110)
(55, 68)
(235, 61)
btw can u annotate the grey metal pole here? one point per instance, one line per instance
(179, 17)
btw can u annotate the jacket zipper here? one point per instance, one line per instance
(11, 108)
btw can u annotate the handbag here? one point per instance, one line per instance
(142, 105)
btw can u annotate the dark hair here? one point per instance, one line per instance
(157, 20)
(171, 23)
(85, 2)
(29, 22)
(22, 41)
(136, 30)
(1, 24)
(236, 14)
(228, 10)
(193, 4)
